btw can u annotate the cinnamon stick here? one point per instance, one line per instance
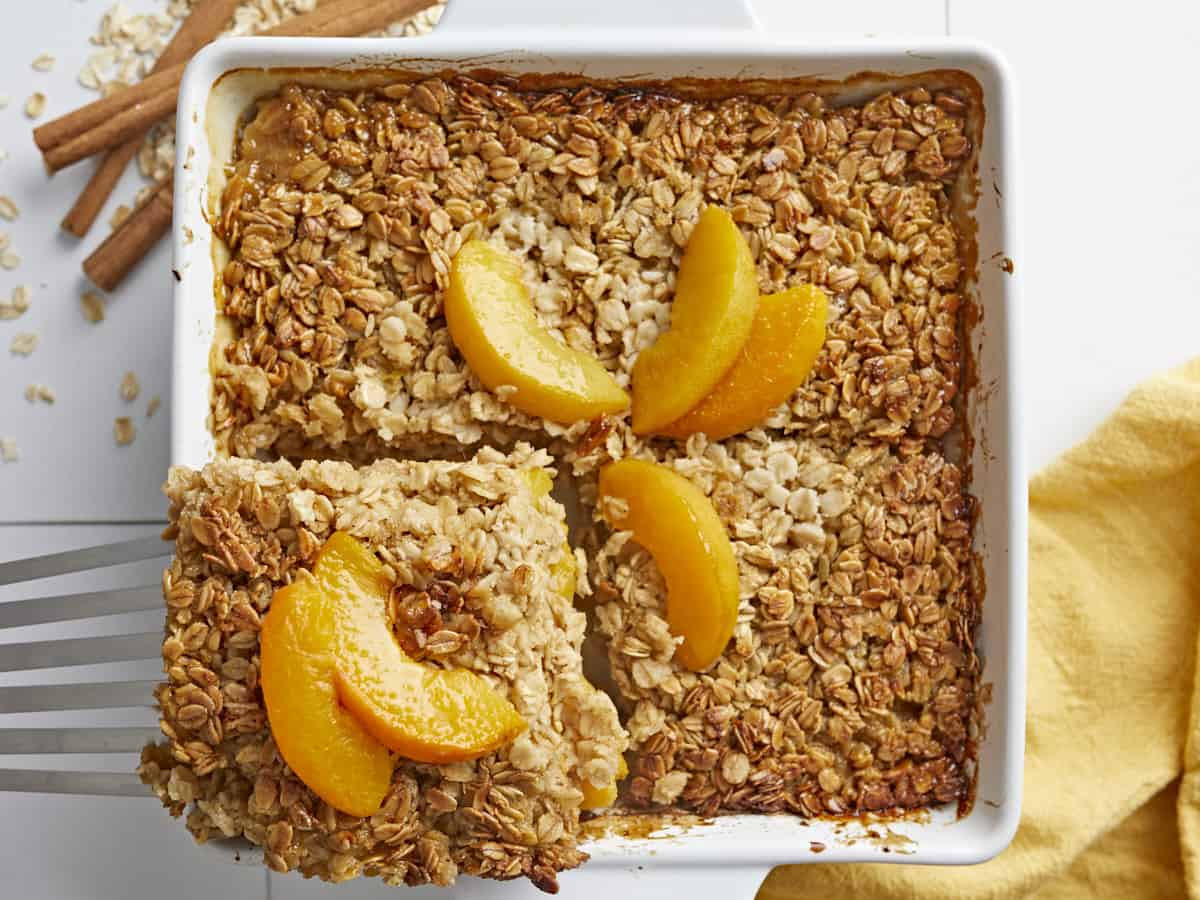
(113, 131)
(128, 244)
(109, 121)
(204, 22)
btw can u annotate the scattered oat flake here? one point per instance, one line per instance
(9, 260)
(35, 105)
(8, 450)
(4, 101)
(120, 214)
(42, 392)
(130, 387)
(17, 306)
(8, 208)
(92, 305)
(43, 63)
(124, 431)
(24, 343)
(152, 406)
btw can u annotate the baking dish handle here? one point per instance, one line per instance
(490, 15)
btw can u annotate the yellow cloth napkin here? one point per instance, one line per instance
(1112, 756)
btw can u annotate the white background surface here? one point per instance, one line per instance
(1111, 266)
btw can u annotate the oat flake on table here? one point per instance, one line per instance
(124, 431)
(23, 344)
(130, 387)
(17, 306)
(8, 450)
(35, 105)
(91, 304)
(42, 392)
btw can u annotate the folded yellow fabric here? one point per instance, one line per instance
(1112, 765)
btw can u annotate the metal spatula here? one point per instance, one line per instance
(36, 655)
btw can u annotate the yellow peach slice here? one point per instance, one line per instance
(677, 524)
(340, 692)
(321, 741)
(788, 332)
(562, 570)
(493, 325)
(716, 294)
(599, 798)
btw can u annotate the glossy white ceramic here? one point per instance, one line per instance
(670, 43)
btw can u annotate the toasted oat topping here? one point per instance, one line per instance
(473, 551)
(8, 450)
(340, 251)
(849, 684)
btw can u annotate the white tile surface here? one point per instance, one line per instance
(71, 468)
(1111, 185)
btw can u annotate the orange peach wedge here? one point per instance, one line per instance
(599, 798)
(340, 692)
(716, 295)
(562, 571)
(492, 322)
(677, 524)
(788, 332)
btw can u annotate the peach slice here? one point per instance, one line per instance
(599, 798)
(322, 742)
(326, 639)
(788, 332)
(716, 294)
(562, 570)
(492, 322)
(677, 524)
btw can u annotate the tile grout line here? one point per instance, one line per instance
(946, 11)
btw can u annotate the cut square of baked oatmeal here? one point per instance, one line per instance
(346, 208)
(850, 683)
(484, 532)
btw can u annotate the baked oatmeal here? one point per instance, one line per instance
(344, 210)
(478, 549)
(850, 682)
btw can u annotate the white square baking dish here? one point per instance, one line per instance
(735, 850)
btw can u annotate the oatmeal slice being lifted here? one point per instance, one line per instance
(476, 556)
